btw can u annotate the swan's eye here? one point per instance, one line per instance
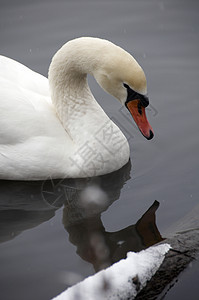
(126, 85)
(132, 95)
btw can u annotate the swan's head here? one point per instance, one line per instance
(121, 76)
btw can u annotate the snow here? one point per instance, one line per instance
(122, 280)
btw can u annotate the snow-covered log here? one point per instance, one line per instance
(122, 280)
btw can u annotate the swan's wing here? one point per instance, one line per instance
(25, 105)
(25, 114)
(32, 140)
(22, 76)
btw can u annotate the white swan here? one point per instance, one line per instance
(67, 134)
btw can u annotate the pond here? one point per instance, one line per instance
(43, 241)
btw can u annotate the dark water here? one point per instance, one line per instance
(39, 238)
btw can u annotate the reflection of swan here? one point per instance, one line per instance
(70, 136)
(28, 204)
(102, 248)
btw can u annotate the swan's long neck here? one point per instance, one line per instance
(71, 95)
(75, 105)
(98, 144)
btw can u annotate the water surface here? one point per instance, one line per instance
(37, 253)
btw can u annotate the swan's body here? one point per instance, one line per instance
(64, 133)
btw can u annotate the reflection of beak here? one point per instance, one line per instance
(137, 111)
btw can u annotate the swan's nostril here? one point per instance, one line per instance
(151, 135)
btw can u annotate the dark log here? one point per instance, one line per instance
(185, 248)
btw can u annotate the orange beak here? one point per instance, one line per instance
(138, 113)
